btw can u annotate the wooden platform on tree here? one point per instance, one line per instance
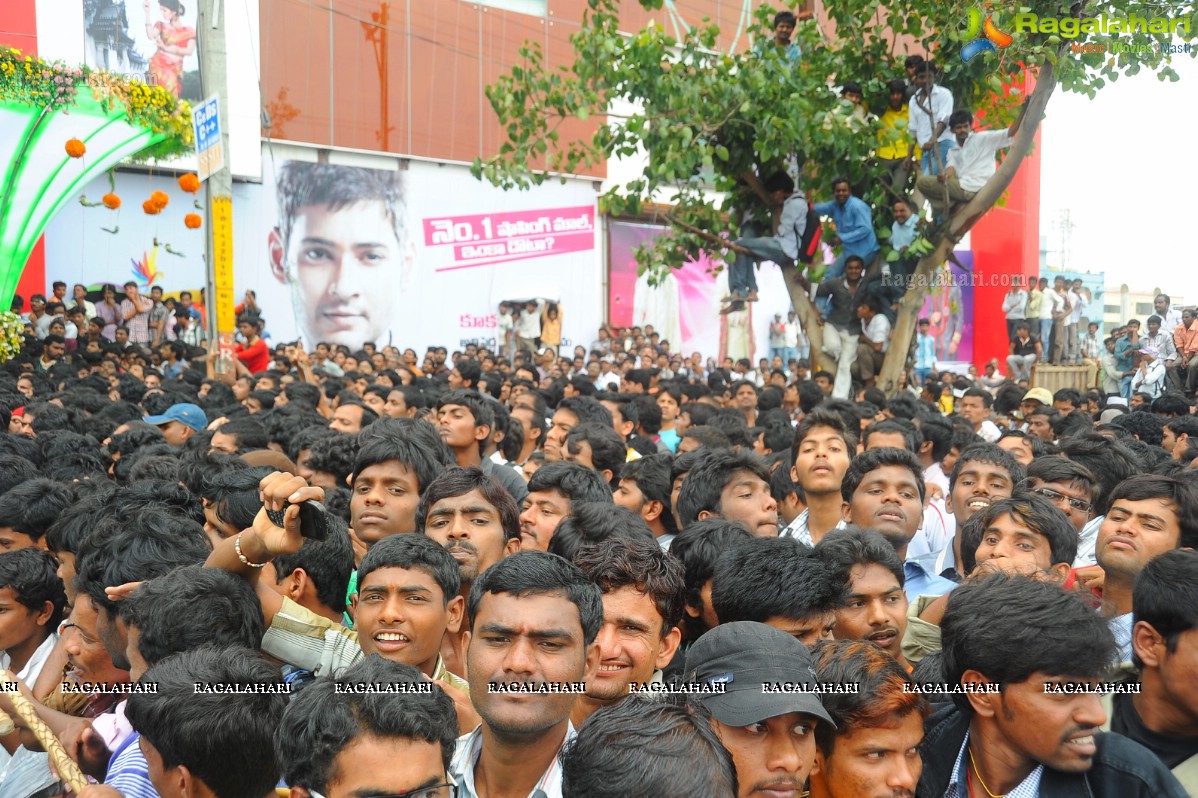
(1054, 378)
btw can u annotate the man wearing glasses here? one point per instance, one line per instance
(380, 729)
(1071, 487)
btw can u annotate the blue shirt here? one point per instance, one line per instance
(854, 225)
(129, 772)
(920, 582)
(925, 352)
(902, 235)
(1123, 354)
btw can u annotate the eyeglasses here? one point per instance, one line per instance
(1081, 505)
(449, 790)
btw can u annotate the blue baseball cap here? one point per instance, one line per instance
(186, 413)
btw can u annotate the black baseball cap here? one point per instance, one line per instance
(745, 656)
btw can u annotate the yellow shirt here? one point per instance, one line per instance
(893, 151)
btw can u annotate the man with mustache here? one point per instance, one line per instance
(874, 607)
(533, 621)
(884, 491)
(1029, 654)
(478, 522)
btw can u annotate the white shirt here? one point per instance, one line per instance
(1170, 320)
(989, 431)
(608, 382)
(973, 161)
(27, 761)
(504, 323)
(934, 534)
(878, 330)
(792, 334)
(777, 334)
(1151, 380)
(1078, 301)
(1086, 540)
(529, 324)
(934, 475)
(1015, 305)
(90, 309)
(941, 104)
(1051, 303)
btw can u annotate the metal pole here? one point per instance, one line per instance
(218, 193)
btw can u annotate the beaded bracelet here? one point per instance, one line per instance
(242, 557)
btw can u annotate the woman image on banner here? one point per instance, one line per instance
(174, 40)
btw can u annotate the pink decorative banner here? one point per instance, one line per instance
(486, 239)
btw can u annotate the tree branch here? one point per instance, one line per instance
(959, 224)
(723, 243)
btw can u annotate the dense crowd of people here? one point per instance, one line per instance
(617, 570)
(609, 571)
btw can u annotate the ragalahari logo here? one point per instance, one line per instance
(983, 36)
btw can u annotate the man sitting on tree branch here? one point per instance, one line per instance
(781, 248)
(970, 163)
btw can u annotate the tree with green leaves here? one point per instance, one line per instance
(715, 125)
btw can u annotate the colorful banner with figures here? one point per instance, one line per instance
(153, 40)
(345, 254)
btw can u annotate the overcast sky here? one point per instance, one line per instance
(1124, 165)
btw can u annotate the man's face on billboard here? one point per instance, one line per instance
(344, 269)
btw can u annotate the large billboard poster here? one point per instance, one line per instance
(414, 257)
(949, 309)
(685, 307)
(153, 39)
(159, 42)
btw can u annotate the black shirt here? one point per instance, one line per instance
(843, 314)
(1023, 349)
(1170, 749)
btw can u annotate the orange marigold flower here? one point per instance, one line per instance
(160, 199)
(76, 148)
(189, 183)
(151, 207)
(111, 201)
(193, 220)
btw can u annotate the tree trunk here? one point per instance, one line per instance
(960, 223)
(808, 315)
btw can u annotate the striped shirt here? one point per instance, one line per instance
(139, 322)
(128, 771)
